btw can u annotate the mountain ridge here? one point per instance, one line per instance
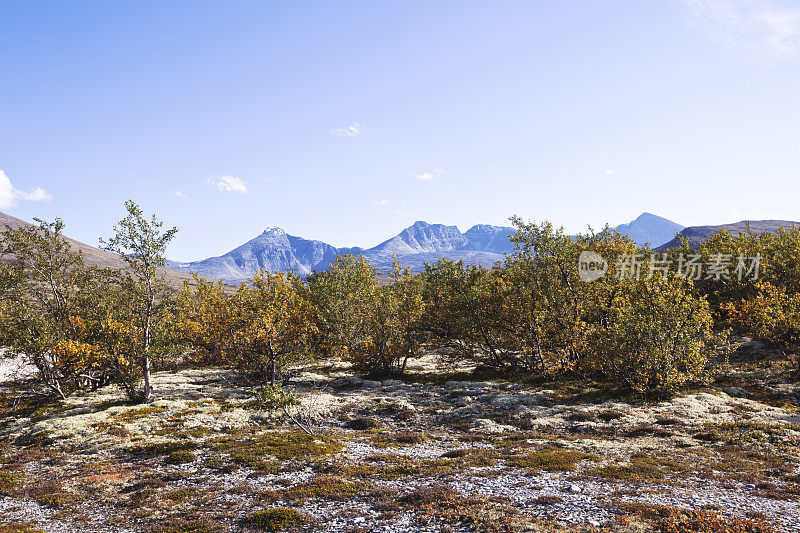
(651, 229)
(99, 257)
(419, 243)
(696, 234)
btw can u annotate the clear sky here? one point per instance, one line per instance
(348, 121)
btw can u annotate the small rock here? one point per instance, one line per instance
(486, 425)
(461, 412)
(736, 392)
(503, 401)
(468, 385)
(348, 382)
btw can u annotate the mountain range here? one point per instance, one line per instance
(696, 234)
(420, 243)
(416, 245)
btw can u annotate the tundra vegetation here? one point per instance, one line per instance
(242, 407)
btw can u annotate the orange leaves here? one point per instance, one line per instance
(268, 319)
(75, 355)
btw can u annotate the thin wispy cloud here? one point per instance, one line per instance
(761, 30)
(349, 131)
(380, 203)
(229, 184)
(179, 194)
(429, 176)
(609, 171)
(9, 196)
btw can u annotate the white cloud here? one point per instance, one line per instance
(609, 171)
(380, 203)
(179, 194)
(230, 184)
(755, 29)
(429, 176)
(349, 131)
(9, 196)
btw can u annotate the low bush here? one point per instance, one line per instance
(276, 519)
(550, 460)
(673, 520)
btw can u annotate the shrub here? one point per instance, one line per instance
(549, 499)
(276, 519)
(262, 451)
(47, 300)
(376, 327)
(266, 325)
(180, 457)
(550, 459)
(19, 528)
(763, 304)
(363, 422)
(674, 520)
(179, 525)
(656, 336)
(10, 481)
(180, 495)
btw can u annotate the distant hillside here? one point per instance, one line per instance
(493, 239)
(418, 238)
(649, 228)
(420, 243)
(96, 256)
(697, 234)
(276, 251)
(273, 250)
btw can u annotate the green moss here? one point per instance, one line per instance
(640, 468)
(10, 481)
(262, 451)
(132, 415)
(390, 466)
(180, 457)
(187, 526)
(472, 457)
(182, 432)
(111, 428)
(549, 459)
(276, 519)
(326, 487)
(749, 432)
(47, 411)
(180, 495)
(50, 492)
(748, 465)
(161, 448)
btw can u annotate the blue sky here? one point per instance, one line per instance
(348, 121)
